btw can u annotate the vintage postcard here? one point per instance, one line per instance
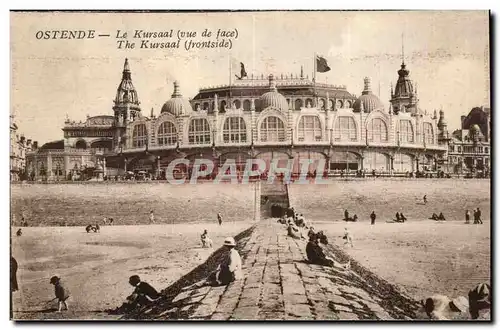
(279, 165)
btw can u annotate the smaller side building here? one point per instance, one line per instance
(469, 149)
(19, 148)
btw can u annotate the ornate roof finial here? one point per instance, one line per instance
(272, 83)
(152, 113)
(402, 49)
(177, 92)
(301, 72)
(368, 88)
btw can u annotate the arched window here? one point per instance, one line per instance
(199, 131)
(139, 136)
(321, 104)
(81, 144)
(345, 129)
(349, 104)
(222, 107)
(405, 131)
(205, 106)
(167, 134)
(234, 130)
(377, 130)
(309, 103)
(237, 104)
(339, 104)
(330, 106)
(428, 133)
(298, 104)
(310, 129)
(246, 105)
(272, 129)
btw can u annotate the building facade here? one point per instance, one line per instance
(469, 147)
(283, 117)
(19, 148)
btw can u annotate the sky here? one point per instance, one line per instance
(445, 51)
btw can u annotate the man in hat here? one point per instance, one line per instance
(61, 292)
(315, 254)
(229, 269)
(480, 301)
(439, 307)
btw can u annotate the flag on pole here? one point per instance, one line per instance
(322, 64)
(243, 72)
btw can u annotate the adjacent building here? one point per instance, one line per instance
(469, 147)
(19, 147)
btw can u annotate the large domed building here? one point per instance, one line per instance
(274, 117)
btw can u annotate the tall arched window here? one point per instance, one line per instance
(139, 136)
(345, 129)
(167, 134)
(298, 104)
(310, 129)
(377, 130)
(428, 133)
(272, 129)
(246, 105)
(237, 104)
(222, 106)
(234, 130)
(81, 144)
(406, 131)
(199, 131)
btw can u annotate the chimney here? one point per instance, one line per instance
(462, 119)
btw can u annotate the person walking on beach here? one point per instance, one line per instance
(62, 293)
(151, 217)
(13, 274)
(479, 221)
(219, 219)
(205, 240)
(347, 238)
(346, 215)
(425, 199)
(467, 216)
(373, 216)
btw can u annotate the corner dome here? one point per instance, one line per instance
(177, 105)
(273, 98)
(368, 101)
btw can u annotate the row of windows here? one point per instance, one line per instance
(297, 104)
(272, 129)
(469, 149)
(89, 134)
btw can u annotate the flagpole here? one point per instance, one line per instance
(314, 79)
(230, 80)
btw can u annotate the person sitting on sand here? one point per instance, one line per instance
(398, 218)
(61, 292)
(322, 237)
(441, 217)
(19, 232)
(89, 228)
(97, 228)
(402, 217)
(480, 301)
(205, 240)
(143, 294)
(434, 216)
(439, 307)
(355, 218)
(316, 256)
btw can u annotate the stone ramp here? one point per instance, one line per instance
(279, 284)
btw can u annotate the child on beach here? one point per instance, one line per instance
(61, 292)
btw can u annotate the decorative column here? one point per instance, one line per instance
(67, 170)
(49, 165)
(253, 124)
(327, 116)
(257, 201)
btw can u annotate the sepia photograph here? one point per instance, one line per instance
(250, 165)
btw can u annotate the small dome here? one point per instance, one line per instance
(177, 105)
(367, 101)
(475, 129)
(273, 98)
(442, 121)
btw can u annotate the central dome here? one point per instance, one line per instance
(273, 98)
(177, 105)
(368, 101)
